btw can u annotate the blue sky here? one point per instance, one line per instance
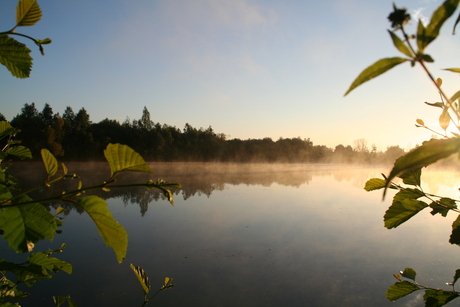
(249, 69)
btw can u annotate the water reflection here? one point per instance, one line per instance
(197, 179)
(253, 235)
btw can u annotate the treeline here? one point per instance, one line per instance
(73, 137)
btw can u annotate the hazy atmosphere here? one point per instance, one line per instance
(249, 69)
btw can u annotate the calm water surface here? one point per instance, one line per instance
(253, 235)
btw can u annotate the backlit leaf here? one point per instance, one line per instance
(455, 96)
(409, 273)
(141, 277)
(455, 235)
(114, 235)
(401, 211)
(456, 276)
(436, 104)
(412, 177)
(20, 151)
(408, 194)
(375, 184)
(400, 289)
(27, 224)
(428, 153)
(436, 297)
(122, 158)
(453, 69)
(443, 206)
(50, 162)
(444, 119)
(421, 33)
(440, 15)
(375, 70)
(51, 264)
(27, 13)
(399, 44)
(15, 56)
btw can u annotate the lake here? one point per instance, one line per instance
(251, 235)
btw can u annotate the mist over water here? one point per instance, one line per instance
(252, 235)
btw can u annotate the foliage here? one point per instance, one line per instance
(145, 283)
(410, 198)
(25, 221)
(15, 56)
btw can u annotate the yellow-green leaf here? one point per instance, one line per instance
(375, 184)
(401, 211)
(401, 289)
(50, 162)
(15, 56)
(440, 15)
(123, 158)
(457, 70)
(141, 277)
(20, 151)
(375, 70)
(27, 224)
(444, 119)
(28, 13)
(456, 96)
(399, 44)
(428, 153)
(114, 235)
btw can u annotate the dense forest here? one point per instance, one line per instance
(73, 137)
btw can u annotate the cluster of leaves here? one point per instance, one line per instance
(15, 56)
(145, 283)
(411, 198)
(25, 221)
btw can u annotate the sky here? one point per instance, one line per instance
(249, 69)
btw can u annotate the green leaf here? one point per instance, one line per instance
(436, 297)
(141, 277)
(20, 151)
(50, 162)
(412, 177)
(443, 206)
(401, 289)
(456, 96)
(15, 56)
(399, 44)
(455, 235)
(375, 70)
(444, 119)
(428, 153)
(442, 13)
(408, 194)
(436, 104)
(28, 13)
(25, 225)
(456, 276)
(457, 70)
(421, 34)
(51, 264)
(59, 300)
(409, 273)
(6, 129)
(375, 184)
(122, 158)
(114, 235)
(401, 211)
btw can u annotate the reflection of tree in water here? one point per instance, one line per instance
(195, 178)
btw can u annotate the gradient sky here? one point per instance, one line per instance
(249, 69)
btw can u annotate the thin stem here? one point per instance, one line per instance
(422, 63)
